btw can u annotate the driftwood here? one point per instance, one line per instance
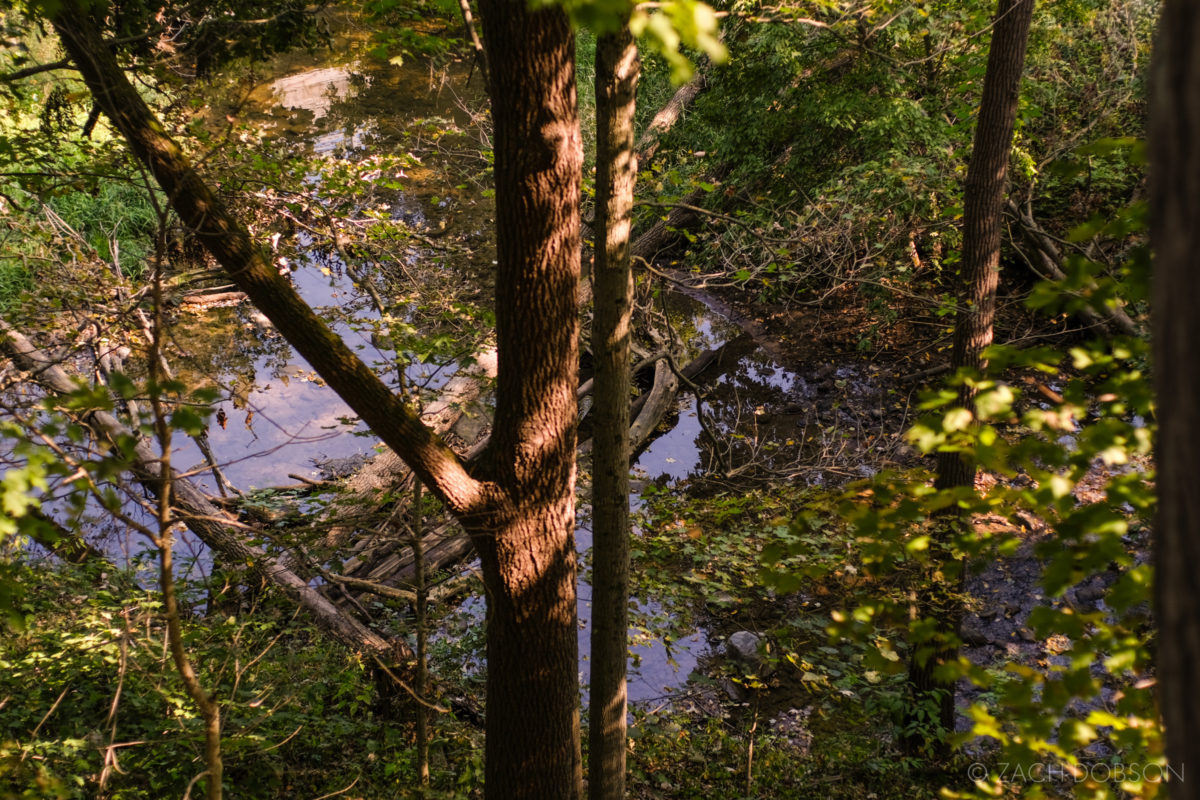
(668, 115)
(213, 299)
(386, 472)
(215, 527)
(1112, 318)
(659, 400)
(394, 565)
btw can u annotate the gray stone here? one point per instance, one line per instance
(743, 646)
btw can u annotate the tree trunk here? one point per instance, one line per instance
(1174, 209)
(617, 68)
(526, 541)
(983, 208)
(987, 179)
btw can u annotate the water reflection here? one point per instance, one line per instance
(315, 90)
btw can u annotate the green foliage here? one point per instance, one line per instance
(1079, 466)
(67, 202)
(88, 673)
(396, 38)
(118, 221)
(677, 24)
(845, 130)
(201, 39)
(667, 30)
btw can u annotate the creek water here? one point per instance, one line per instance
(279, 417)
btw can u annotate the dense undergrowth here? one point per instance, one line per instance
(840, 142)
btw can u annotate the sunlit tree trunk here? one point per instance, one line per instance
(983, 204)
(617, 68)
(527, 543)
(1175, 209)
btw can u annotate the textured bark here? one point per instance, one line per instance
(1175, 208)
(521, 515)
(983, 205)
(617, 68)
(526, 540)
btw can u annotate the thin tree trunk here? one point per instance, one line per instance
(206, 703)
(617, 68)
(983, 207)
(987, 182)
(420, 609)
(469, 21)
(1175, 208)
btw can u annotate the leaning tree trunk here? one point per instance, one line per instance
(1175, 208)
(519, 504)
(987, 178)
(526, 542)
(248, 267)
(617, 69)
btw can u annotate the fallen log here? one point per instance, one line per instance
(212, 525)
(668, 115)
(659, 400)
(1112, 318)
(663, 233)
(386, 472)
(213, 299)
(67, 545)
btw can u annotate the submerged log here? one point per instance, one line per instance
(386, 472)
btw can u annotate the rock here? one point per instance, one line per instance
(744, 646)
(337, 468)
(1091, 591)
(736, 693)
(471, 427)
(972, 633)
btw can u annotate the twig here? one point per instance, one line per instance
(341, 791)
